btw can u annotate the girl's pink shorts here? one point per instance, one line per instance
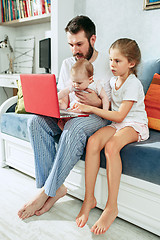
(142, 129)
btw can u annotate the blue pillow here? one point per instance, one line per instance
(146, 72)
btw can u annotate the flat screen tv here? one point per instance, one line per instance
(45, 54)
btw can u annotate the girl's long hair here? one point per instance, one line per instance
(130, 49)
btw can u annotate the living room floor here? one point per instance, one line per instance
(59, 223)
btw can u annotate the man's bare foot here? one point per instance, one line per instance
(104, 222)
(83, 215)
(35, 204)
(61, 192)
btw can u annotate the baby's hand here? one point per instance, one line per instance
(75, 106)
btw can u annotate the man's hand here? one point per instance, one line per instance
(89, 98)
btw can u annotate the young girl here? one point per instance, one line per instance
(129, 124)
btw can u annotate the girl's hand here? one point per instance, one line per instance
(84, 108)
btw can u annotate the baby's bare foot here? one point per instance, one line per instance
(35, 204)
(61, 124)
(83, 215)
(61, 192)
(104, 222)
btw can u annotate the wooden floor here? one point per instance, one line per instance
(57, 224)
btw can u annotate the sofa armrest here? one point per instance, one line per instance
(7, 104)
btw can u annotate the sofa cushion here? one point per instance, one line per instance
(20, 108)
(146, 71)
(152, 103)
(15, 125)
(140, 159)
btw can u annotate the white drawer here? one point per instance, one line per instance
(9, 80)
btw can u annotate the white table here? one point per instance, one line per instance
(7, 81)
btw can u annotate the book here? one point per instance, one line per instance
(25, 8)
(13, 10)
(28, 8)
(2, 11)
(39, 7)
(43, 6)
(6, 11)
(21, 8)
(35, 7)
(18, 9)
(46, 6)
(9, 11)
(49, 5)
(31, 6)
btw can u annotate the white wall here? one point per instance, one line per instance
(38, 31)
(4, 62)
(126, 18)
(114, 19)
(79, 7)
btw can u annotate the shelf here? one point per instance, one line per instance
(27, 21)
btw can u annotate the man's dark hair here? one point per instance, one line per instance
(80, 23)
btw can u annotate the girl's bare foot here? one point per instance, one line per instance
(61, 192)
(104, 222)
(35, 204)
(83, 215)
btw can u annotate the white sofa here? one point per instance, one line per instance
(138, 201)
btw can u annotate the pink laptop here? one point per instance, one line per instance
(40, 96)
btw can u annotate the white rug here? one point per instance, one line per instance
(57, 224)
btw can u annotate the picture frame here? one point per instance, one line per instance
(151, 4)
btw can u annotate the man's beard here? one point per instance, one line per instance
(87, 56)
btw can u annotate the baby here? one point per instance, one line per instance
(81, 79)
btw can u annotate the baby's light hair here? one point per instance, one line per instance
(83, 65)
(130, 49)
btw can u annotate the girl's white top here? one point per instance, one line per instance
(131, 90)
